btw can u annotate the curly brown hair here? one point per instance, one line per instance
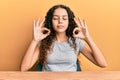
(46, 44)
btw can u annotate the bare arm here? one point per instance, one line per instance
(93, 53)
(32, 54)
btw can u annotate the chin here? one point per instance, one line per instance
(61, 31)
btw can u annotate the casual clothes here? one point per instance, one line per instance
(63, 56)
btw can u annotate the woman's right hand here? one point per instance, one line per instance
(40, 32)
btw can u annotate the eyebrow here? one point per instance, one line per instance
(62, 15)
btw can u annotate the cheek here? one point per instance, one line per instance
(54, 23)
(67, 23)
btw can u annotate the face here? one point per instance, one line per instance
(60, 20)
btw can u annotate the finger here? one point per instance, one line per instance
(85, 25)
(42, 22)
(34, 26)
(80, 21)
(45, 30)
(76, 31)
(76, 21)
(34, 23)
(48, 32)
(38, 22)
(74, 35)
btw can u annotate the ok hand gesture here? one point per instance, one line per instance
(81, 30)
(40, 32)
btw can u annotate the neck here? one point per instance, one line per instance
(61, 37)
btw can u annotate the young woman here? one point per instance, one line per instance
(57, 42)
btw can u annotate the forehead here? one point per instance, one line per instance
(60, 12)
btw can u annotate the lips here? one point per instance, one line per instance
(60, 26)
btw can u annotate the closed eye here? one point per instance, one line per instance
(55, 18)
(65, 18)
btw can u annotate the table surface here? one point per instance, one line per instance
(84, 75)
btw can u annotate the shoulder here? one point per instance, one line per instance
(79, 44)
(78, 41)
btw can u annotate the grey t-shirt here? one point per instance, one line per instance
(63, 56)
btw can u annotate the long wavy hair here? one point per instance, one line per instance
(46, 44)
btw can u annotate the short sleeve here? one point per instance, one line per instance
(79, 45)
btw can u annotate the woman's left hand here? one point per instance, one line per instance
(81, 30)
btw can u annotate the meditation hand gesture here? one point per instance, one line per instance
(40, 32)
(81, 30)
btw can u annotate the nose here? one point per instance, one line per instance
(60, 20)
